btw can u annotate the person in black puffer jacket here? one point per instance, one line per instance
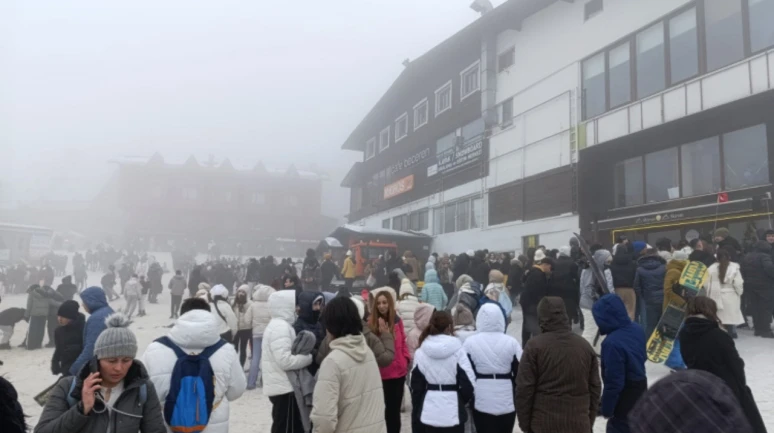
(706, 346)
(623, 269)
(479, 269)
(309, 307)
(758, 273)
(67, 289)
(68, 338)
(565, 282)
(516, 278)
(649, 286)
(461, 266)
(535, 289)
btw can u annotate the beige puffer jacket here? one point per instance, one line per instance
(348, 396)
(244, 315)
(260, 310)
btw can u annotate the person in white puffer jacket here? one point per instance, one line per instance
(261, 319)
(195, 330)
(494, 357)
(221, 309)
(407, 304)
(243, 310)
(277, 360)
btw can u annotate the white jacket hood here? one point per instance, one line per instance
(441, 346)
(282, 305)
(353, 346)
(262, 293)
(196, 329)
(490, 319)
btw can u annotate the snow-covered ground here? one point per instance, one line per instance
(30, 371)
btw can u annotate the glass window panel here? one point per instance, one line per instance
(450, 215)
(700, 162)
(438, 221)
(620, 75)
(386, 223)
(507, 112)
(628, 183)
(445, 143)
(473, 129)
(650, 61)
(594, 86)
(661, 176)
(745, 154)
(424, 216)
(683, 46)
(761, 19)
(463, 215)
(723, 22)
(477, 213)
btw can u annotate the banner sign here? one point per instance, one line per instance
(399, 187)
(456, 158)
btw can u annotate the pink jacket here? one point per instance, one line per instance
(422, 316)
(399, 366)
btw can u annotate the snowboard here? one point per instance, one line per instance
(661, 343)
(598, 273)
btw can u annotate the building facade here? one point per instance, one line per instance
(605, 116)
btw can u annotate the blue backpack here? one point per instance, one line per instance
(191, 395)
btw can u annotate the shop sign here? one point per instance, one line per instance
(677, 215)
(399, 187)
(457, 157)
(408, 162)
(659, 218)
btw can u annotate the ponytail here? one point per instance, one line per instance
(440, 323)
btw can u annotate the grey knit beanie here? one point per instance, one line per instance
(117, 341)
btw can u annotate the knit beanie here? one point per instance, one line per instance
(68, 310)
(722, 232)
(496, 277)
(117, 341)
(565, 251)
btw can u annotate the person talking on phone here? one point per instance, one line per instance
(111, 393)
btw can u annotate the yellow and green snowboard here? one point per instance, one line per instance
(662, 341)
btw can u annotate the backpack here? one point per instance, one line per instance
(188, 405)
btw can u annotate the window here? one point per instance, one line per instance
(761, 17)
(384, 139)
(386, 223)
(463, 215)
(723, 24)
(506, 113)
(745, 158)
(683, 46)
(594, 95)
(473, 129)
(420, 114)
(661, 176)
(445, 143)
(506, 59)
(418, 221)
(443, 98)
(700, 167)
(400, 222)
(190, 194)
(592, 9)
(438, 221)
(628, 183)
(450, 217)
(650, 61)
(370, 149)
(401, 127)
(477, 213)
(620, 75)
(470, 80)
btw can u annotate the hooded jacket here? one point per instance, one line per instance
(244, 313)
(40, 300)
(407, 304)
(68, 340)
(67, 289)
(413, 263)
(193, 332)
(726, 293)
(260, 310)
(308, 319)
(623, 357)
(623, 269)
(432, 292)
(589, 286)
(348, 396)
(132, 288)
(491, 352)
(558, 384)
(177, 285)
(706, 347)
(221, 310)
(276, 357)
(422, 316)
(94, 299)
(758, 271)
(649, 279)
(126, 416)
(441, 360)
(461, 266)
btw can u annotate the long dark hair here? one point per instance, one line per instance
(724, 258)
(702, 305)
(440, 323)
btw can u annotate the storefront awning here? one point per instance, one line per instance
(676, 216)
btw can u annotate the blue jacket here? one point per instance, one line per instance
(94, 299)
(432, 292)
(649, 279)
(623, 356)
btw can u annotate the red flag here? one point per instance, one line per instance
(722, 197)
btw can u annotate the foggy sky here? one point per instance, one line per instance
(85, 81)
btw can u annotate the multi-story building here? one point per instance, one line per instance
(608, 116)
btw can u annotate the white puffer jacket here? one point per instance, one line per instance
(276, 359)
(193, 332)
(407, 305)
(493, 352)
(245, 314)
(260, 310)
(437, 362)
(230, 324)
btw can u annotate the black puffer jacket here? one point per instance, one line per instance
(623, 268)
(758, 271)
(67, 289)
(535, 289)
(69, 344)
(706, 347)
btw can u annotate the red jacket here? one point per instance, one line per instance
(399, 366)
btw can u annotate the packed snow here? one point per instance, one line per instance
(30, 371)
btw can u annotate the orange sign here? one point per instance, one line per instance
(399, 187)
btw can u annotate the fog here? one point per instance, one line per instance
(84, 82)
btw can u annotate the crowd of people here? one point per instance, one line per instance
(428, 338)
